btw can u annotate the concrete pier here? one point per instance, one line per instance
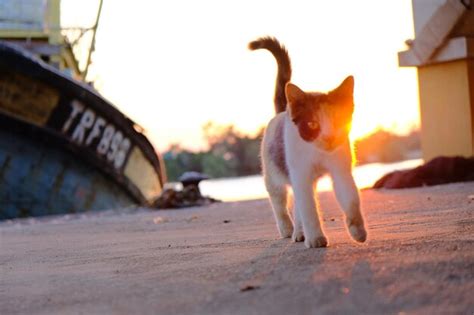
(227, 259)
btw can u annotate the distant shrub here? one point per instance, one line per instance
(384, 146)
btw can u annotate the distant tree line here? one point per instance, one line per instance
(386, 147)
(231, 153)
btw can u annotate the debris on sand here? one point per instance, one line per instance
(249, 287)
(158, 220)
(189, 196)
(191, 219)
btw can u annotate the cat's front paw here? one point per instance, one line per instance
(358, 233)
(356, 229)
(314, 242)
(298, 236)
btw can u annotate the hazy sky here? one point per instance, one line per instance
(174, 65)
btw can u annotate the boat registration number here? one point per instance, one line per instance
(86, 128)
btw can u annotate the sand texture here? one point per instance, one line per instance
(227, 259)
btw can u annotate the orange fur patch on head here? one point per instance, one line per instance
(342, 100)
(344, 93)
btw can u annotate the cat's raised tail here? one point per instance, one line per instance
(284, 67)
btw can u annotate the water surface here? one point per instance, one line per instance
(252, 187)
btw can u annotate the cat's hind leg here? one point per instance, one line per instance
(278, 197)
(298, 234)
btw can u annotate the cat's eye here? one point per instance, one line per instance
(312, 125)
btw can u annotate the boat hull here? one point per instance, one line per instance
(64, 148)
(39, 177)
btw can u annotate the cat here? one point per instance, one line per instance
(307, 138)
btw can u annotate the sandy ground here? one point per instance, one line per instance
(227, 259)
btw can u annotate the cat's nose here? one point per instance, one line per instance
(328, 138)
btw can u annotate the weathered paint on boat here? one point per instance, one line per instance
(64, 148)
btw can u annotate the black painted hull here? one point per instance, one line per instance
(64, 148)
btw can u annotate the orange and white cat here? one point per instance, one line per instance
(307, 138)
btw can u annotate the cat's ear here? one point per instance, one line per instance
(294, 96)
(344, 92)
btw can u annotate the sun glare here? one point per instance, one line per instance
(193, 68)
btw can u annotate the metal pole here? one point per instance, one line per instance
(84, 74)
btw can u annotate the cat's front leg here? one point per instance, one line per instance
(348, 198)
(305, 207)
